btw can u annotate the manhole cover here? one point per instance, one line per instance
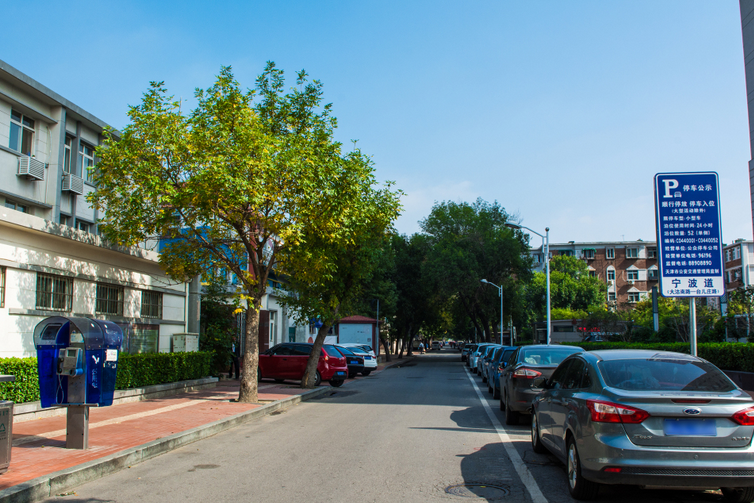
(484, 491)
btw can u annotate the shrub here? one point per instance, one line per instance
(26, 386)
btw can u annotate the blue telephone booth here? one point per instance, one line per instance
(77, 359)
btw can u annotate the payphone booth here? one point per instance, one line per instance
(77, 360)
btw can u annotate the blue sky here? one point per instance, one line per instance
(562, 111)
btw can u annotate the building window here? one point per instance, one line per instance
(54, 292)
(566, 253)
(64, 219)
(67, 155)
(109, 299)
(611, 275)
(21, 133)
(610, 253)
(151, 304)
(87, 161)
(16, 206)
(737, 275)
(633, 275)
(611, 296)
(588, 254)
(2, 286)
(592, 274)
(653, 274)
(634, 297)
(651, 252)
(632, 253)
(273, 315)
(83, 226)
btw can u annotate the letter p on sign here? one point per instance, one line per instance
(670, 185)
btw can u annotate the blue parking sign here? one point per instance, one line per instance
(689, 235)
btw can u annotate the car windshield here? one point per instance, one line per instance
(664, 374)
(547, 356)
(343, 350)
(331, 351)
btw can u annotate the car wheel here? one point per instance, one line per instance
(578, 486)
(317, 378)
(366, 373)
(484, 379)
(511, 416)
(489, 387)
(536, 440)
(495, 392)
(336, 383)
(351, 375)
(738, 494)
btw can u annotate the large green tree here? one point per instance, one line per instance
(237, 183)
(471, 242)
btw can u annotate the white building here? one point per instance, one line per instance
(52, 262)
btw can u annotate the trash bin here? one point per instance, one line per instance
(6, 427)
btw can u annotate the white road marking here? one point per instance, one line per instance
(521, 469)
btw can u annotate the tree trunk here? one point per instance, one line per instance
(314, 356)
(400, 350)
(248, 390)
(386, 347)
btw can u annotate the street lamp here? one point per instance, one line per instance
(546, 242)
(500, 290)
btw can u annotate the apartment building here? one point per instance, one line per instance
(52, 262)
(629, 268)
(739, 264)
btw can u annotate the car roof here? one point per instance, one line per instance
(640, 354)
(552, 346)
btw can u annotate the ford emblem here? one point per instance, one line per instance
(692, 411)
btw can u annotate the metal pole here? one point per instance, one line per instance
(547, 265)
(692, 325)
(501, 314)
(655, 310)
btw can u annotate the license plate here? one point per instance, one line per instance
(340, 373)
(367, 357)
(690, 427)
(354, 363)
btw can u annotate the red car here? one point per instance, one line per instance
(288, 361)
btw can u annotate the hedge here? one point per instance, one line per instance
(134, 371)
(738, 356)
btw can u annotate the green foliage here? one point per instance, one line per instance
(571, 287)
(26, 386)
(136, 371)
(726, 356)
(217, 325)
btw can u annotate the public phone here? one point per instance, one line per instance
(71, 362)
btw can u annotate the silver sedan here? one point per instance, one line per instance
(646, 418)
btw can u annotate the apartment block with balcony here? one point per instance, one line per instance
(629, 268)
(52, 262)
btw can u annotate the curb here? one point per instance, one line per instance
(57, 482)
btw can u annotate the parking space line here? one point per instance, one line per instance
(521, 469)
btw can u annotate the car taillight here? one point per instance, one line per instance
(327, 358)
(523, 373)
(744, 417)
(607, 412)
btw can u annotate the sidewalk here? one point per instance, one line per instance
(123, 435)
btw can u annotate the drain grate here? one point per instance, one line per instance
(482, 491)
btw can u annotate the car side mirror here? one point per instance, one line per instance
(539, 382)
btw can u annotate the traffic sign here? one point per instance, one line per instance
(689, 235)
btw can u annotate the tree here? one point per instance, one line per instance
(231, 185)
(741, 301)
(470, 242)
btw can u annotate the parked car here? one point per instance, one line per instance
(496, 368)
(288, 361)
(436, 345)
(370, 362)
(646, 418)
(355, 362)
(484, 361)
(364, 347)
(526, 364)
(467, 349)
(474, 356)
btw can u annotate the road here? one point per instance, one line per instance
(424, 431)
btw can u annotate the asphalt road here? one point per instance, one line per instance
(426, 431)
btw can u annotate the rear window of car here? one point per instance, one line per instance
(546, 356)
(331, 351)
(344, 350)
(664, 374)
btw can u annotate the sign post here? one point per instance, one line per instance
(689, 238)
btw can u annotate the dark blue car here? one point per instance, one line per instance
(499, 360)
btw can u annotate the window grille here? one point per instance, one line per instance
(54, 292)
(2, 286)
(151, 304)
(109, 299)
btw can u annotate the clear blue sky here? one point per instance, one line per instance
(562, 111)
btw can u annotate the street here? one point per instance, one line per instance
(424, 431)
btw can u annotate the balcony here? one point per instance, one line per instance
(30, 168)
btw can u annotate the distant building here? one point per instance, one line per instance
(739, 264)
(629, 268)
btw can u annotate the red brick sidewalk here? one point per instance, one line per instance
(39, 445)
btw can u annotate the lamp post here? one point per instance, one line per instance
(500, 291)
(546, 242)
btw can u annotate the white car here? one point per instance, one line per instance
(370, 361)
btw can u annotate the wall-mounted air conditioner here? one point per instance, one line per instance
(73, 183)
(31, 168)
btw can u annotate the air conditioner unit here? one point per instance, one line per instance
(31, 168)
(73, 183)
